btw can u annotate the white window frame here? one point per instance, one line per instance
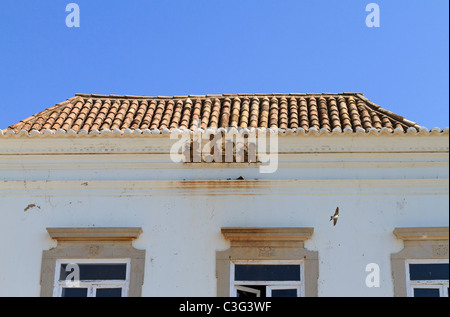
(270, 285)
(442, 285)
(92, 285)
(257, 292)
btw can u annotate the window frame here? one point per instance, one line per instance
(270, 285)
(281, 244)
(93, 245)
(426, 244)
(92, 285)
(442, 285)
(257, 292)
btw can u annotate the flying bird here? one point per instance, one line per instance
(335, 216)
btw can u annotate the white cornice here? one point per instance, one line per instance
(299, 131)
(431, 141)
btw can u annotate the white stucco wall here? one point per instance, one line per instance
(181, 210)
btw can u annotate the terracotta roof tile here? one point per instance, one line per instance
(332, 112)
(254, 113)
(313, 113)
(235, 112)
(245, 113)
(293, 113)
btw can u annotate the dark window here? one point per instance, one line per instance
(433, 271)
(252, 272)
(426, 292)
(109, 292)
(89, 272)
(74, 292)
(284, 292)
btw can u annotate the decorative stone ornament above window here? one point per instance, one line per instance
(274, 244)
(93, 243)
(97, 234)
(423, 243)
(422, 234)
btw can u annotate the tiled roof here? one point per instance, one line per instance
(341, 112)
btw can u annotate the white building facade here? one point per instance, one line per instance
(114, 206)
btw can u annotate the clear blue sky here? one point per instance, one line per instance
(181, 47)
